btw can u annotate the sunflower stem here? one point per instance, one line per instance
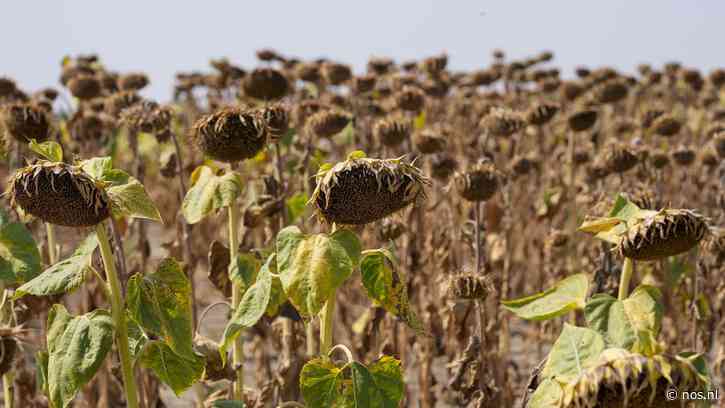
(237, 349)
(119, 316)
(625, 278)
(328, 312)
(50, 238)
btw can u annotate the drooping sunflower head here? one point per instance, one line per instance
(266, 84)
(361, 190)
(328, 123)
(623, 379)
(61, 194)
(231, 134)
(480, 182)
(669, 232)
(469, 286)
(24, 121)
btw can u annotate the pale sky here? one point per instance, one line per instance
(162, 37)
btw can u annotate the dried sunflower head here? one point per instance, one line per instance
(469, 286)
(667, 233)
(361, 190)
(265, 84)
(7, 87)
(479, 183)
(134, 81)
(541, 114)
(336, 74)
(619, 158)
(623, 379)
(443, 166)
(410, 99)
(85, 87)
(611, 92)
(502, 122)
(60, 194)
(231, 134)
(666, 125)
(582, 120)
(24, 122)
(148, 117)
(430, 141)
(117, 102)
(364, 83)
(87, 126)
(392, 131)
(328, 123)
(277, 118)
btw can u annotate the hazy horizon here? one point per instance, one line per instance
(162, 38)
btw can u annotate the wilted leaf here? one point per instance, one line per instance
(251, 308)
(19, 256)
(210, 193)
(77, 346)
(65, 276)
(219, 268)
(244, 271)
(547, 395)
(573, 351)
(161, 303)
(178, 372)
(606, 315)
(312, 267)
(321, 384)
(388, 376)
(49, 150)
(567, 295)
(644, 310)
(386, 285)
(131, 200)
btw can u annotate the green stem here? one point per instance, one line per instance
(119, 317)
(328, 313)
(237, 349)
(52, 250)
(8, 381)
(625, 278)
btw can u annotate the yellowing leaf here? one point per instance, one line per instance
(210, 193)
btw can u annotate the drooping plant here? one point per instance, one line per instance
(85, 194)
(616, 360)
(308, 270)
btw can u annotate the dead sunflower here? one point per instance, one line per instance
(361, 190)
(230, 135)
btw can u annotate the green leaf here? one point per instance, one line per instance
(547, 395)
(312, 267)
(244, 271)
(567, 295)
(228, 404)
(77, 346)
(251, 308)
(136, 337)
(420, 120)
(131, 200)
(65, 276)
(178, 372)
(49, 150)
(644, 311)
(210, 193)
(574, 350)
(296, 206)
(321, 384)
(356, 154)
(386, 285)
(19, 256)
(161, 304)
(388, 376)
(606, 315)
(128, 196)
